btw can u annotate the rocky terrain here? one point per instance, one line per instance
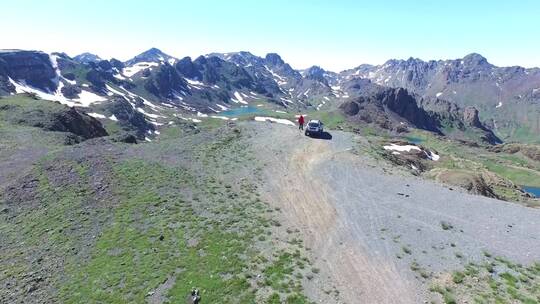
(136, 181)
(507, 97)
(155, 84)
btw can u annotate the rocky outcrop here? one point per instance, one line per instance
(54, 118)
(530, 151)
(215, 70)
(389, 108)
(77, 123)
(115, 63)
(186, 67)
(34, 68)
(71, 91)
(470, 117)
(472, 182)
(316, 73)
(165, 83)
(350, 108)
(130, 120)
(457, 122)
(480, 182)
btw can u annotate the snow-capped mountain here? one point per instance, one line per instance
(152, 55)
(145, 91)
(508, 97)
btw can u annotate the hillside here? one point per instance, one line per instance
(248, 212)
(137, 181)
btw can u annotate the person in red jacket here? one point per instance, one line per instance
(301, 122)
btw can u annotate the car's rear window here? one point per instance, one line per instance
(313, 124)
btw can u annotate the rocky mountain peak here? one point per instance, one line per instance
(274, 59)
(475, 59)
(151, 55)
(87, 58)
(316, 73)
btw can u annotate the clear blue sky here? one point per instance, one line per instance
(333, 34)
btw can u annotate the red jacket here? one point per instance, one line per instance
(301, 120)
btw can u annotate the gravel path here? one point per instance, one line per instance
(366, 226)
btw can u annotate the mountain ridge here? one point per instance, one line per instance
(215, 82)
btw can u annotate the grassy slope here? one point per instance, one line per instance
(515, 167)
(194, 224)
(496, 280)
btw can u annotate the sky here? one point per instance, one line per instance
(335, 35)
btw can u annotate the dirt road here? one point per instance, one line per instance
(365, 227)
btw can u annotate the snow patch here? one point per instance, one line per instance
(273, 119)
(439, 94)
(275, 74)
(137, 67)
(403, 148)
(223, 108)
(432, 155)
(119, 77)
(85, 99)
(220, 117)
(498, 105)
(149, 114)
(239, 98)
(97, 115)
(194, 82)
(286, 100)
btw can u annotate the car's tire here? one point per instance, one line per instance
(306, 133)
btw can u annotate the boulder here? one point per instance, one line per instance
(71, 91)
(350, 108)
(125, 138)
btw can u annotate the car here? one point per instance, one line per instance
(314, 127)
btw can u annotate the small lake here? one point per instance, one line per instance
(532, 190)
(241, 111)
(414, 140)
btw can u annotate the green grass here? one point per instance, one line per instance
(129, 258)
(446, 293)
(516, 175)
(519, 284)
(159, 221)
(331, 119)
(52, 228)
(516, 168)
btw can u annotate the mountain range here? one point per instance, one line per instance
(449, 97)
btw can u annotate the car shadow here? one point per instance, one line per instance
(324, 135)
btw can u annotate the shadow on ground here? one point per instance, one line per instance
(323, 135)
